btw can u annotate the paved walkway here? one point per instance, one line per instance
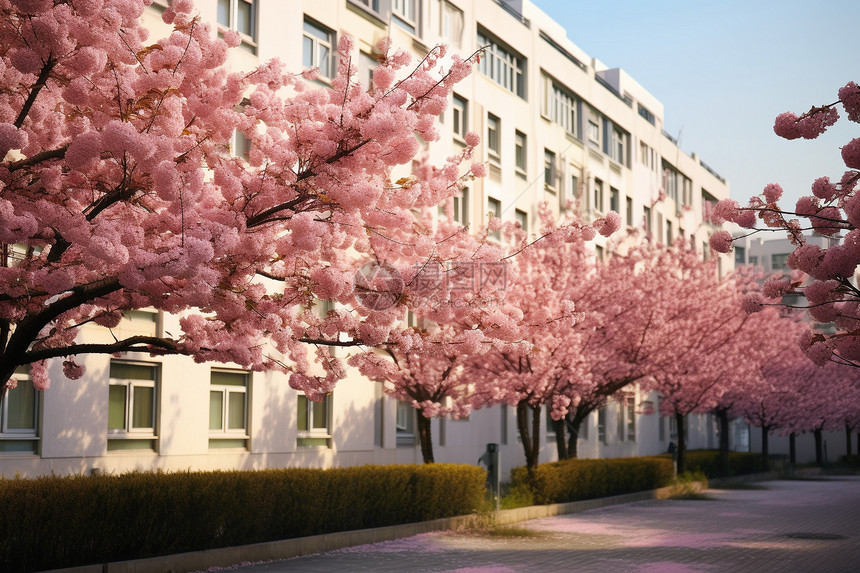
(791, 526)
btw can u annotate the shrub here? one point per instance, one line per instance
(708, 462)
(578, 479)
(53, 522)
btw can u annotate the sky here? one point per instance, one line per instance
(724, 70)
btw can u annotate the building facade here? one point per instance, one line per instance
(556, 124)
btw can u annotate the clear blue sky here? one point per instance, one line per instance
(724, 70)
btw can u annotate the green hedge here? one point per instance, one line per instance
(577, 479)
(54, 522)
(708, 462)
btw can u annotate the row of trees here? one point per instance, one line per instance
(119, 191)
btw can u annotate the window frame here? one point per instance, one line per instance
(405, 423)
(459, 117)
(549, 170)
(560, 106)
(225, 432)
(130, 433)
(12, 437)
(494, 138)
(249, 40)
(502, 64)
(400, 15)
(494, 207)
(313, 436)
(315, 35)
(521, 152)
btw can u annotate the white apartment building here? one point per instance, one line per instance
(556, 124)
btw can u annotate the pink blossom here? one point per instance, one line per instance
(851, 153)
(72, 370)
(479, 169)
(772, 193)
(850, 96)
(806, 206)
(11, 384)
(823, 189)
(232, 38)
(808, 126)
(39, 375)
(752, 303)
(11, 138)
(608, 224)
(721, 241)
(724, 210)
(472, 139)
(775, 287)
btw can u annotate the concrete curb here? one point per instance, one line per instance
(285, 549)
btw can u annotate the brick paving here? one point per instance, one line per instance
(791, 526)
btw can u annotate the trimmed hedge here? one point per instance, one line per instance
(708, 462)
(578, 479)
(54, 522)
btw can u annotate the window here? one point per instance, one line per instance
(522, 218)
(646, 113)
(629, 212)
(240, 145)
(670, 181)
(314, 422)
(228, 409)
(574, 185)
(549, 170)
(520, 152)
(598, 252)
(594, 138)
(494, 145)
(646, 216)
(559, 106)
(778, 262)
(372, 5)
(461, 207)
(598, 195)
(317, 51)
(405, 424)
(630, 403)
(494, 206)
(669, 237)
(451, 24)
(504, 425)
(19, 415)
(366, 65)
(549, 423)
(502, 65)
(618, 145)
(460, 113)
(241, 16)
(614, 200)
(132, 406)
(405, 14)
(740, 256)
(601, 425)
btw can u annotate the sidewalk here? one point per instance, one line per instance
(800, 526)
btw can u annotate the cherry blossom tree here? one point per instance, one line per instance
(118, 191)
(833, 209)
(544, 277)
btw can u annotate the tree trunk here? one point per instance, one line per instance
(848, 439)
(819, 452)
(425, 437)
(723, 417)
(792, 448)
(560, 442)
(681, 450)
(530, 436)
(765, 454)
(574, 424)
